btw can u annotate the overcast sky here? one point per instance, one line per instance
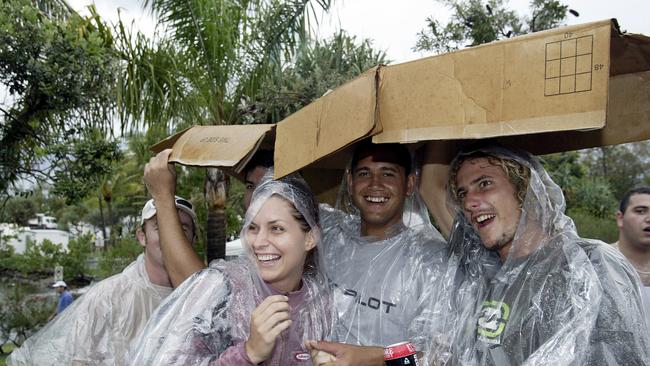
(394, 27)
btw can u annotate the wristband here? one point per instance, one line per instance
(402, 353)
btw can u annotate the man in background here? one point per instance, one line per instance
(65, 297)
(633, 221)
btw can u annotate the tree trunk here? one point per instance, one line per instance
(604, 161)
(101, 214)
(216, 186)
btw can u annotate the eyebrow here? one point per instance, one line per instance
(389, 167)
(270, 222)
(475, 181)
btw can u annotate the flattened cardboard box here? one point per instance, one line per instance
(327, 125)
(229, 147)
(573, 78)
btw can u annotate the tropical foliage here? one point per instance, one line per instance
(475, 22)
(59, 76)
(21, 315)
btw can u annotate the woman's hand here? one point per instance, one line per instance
(269, 319)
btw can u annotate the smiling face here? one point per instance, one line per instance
(489, 202)
(378, 190)
(279, 244)
(634, 223)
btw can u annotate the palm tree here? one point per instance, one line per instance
(207, 55)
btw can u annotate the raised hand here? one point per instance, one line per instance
(269, 319)
(160, 176)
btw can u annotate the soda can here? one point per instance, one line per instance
(400, 354)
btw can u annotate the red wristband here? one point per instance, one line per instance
(399, 350)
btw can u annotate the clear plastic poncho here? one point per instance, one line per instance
(388, 291)
(556, 299)
(97, 327)
(206, 320)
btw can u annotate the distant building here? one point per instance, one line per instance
(21, 237)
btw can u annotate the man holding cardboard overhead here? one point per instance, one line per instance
(531, 290)
(386, 261)
(96, 328)
(180, 259)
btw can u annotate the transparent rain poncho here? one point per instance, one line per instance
(207, 319)
(556, 299)
(97, 327)
(387, 291)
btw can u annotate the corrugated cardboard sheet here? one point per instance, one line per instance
(578, 78)
(227, 146)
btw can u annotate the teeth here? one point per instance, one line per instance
(482, 218)
(376, 199)
(267, 257)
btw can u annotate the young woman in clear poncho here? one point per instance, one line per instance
(553, 297)
(254, 310)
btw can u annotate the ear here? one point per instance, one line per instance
(619, 219)
(142, 238)
(410, 184)
(310, 240)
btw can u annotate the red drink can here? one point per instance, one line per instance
(401, 354)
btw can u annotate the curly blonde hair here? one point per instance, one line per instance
(517, 173)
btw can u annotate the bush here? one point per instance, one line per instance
(118, 256)
(41, 258)
(38, 258)
(590, 226)
(593, 195)
(22, 315)
(75, 261)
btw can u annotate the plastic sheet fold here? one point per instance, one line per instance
(392, 290)
(97, 327)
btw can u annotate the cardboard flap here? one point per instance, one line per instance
(630, 53)
(327, 125)
(167, 143)
(546, 81)
(223, 146)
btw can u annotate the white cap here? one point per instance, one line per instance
(59, 284)
(149, 209)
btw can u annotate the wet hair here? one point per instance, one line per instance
(261, 158)
(517, 173)
(304, 193)
(299, 191)
(388, 153)
(626, 197)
